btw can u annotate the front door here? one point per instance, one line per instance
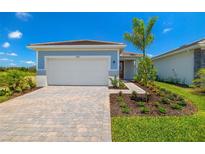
(121, 69)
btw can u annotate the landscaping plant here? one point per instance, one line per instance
(114, 82)
(12, 79)
(144, 110)
(146, 72)
(200, 79)
(162, 110)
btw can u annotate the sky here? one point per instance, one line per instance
(17, 30)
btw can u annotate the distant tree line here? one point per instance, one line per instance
(29, 69)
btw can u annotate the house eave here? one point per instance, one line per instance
(179, 51)
(76, 47)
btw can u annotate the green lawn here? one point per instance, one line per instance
(3, 98)
(183, 128)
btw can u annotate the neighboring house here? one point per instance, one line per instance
(182, 63)
(83, 62)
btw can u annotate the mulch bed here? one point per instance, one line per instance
(189, 109)
(125, 88)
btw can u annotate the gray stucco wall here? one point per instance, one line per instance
(179, 66)
(112, 54)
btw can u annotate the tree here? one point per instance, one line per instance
(146, 71)
(141, 36)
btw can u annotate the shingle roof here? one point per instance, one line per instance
(201, 41)
(78, 42)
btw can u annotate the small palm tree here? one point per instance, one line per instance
(141, 35)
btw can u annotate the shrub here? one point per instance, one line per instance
(141, 104)
(31, 82)
(180, 98)
(24, 85)
(182, 103)
(134, 95)
(171, 97)
(146, 71)
(13, 79)
(5, 92)
(18, 90)
(164, 100)
(144, 110)
(176, 106)
(162, 110)
(125, 110)
(114, 82)
(200, 79)
(121, 84)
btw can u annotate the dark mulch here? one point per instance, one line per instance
(124, 88)
(153, 110)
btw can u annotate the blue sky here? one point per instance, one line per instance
(20, 29)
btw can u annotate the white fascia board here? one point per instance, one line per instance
(74, 47)
(177, 51)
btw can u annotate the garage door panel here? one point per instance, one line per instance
(77, 71)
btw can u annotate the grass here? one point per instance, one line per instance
(3, 98)
(164, 128)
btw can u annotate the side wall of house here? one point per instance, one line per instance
(41, 55)
(179, 67)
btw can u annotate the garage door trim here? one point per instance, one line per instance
(73, 58)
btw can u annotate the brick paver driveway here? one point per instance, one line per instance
(57, 113)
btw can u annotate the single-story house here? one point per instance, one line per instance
(182, 63)
(82, 62)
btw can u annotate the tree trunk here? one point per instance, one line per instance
(144, 53)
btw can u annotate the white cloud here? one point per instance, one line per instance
(5, 59)
(28, 62)
(15, 34)
(11, 54)
(23, 16)
(6, 45)
(166, 30)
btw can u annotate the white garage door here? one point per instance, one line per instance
(77, 71)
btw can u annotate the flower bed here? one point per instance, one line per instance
(157, 102)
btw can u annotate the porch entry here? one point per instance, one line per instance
(121, 69)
